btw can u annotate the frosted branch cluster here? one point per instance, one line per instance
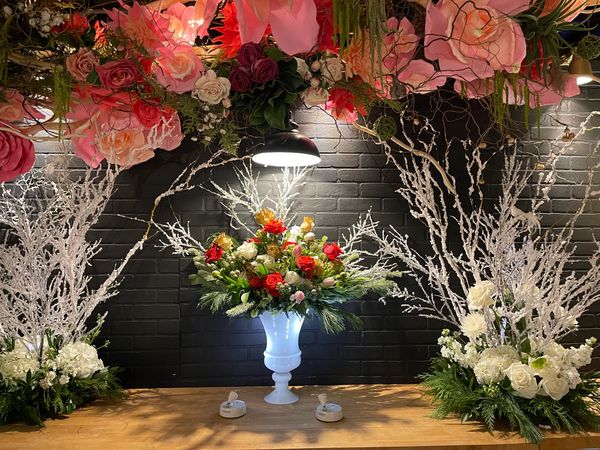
(45, 217)
(497, 242)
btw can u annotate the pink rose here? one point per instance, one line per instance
(249, 53)
(124, 147)
(15, 108)
(297, 251)
(16, 155)
(474, 38)
(167, 135)
(178, 69)
(81, 64)
(264, 70)
(148, 112)
(118, 74)
(420, 77)
(241, 80)
(400, 44)
(299, 297)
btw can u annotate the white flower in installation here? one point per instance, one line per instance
(473, 325)
(554, 386)
(480, 295)
(292, 278)
(315, 96)
(294, 233)
(332, 69)
(522, 379)
(247, 251)
(309, 237)
(15, 364)
(493, 362)
(579, 357)
(79, 360)
(573, 377)
(46, 382)
(211, 89)
(266, 260)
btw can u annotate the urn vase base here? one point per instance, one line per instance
(281, 394)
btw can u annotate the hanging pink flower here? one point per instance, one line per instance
(183, 24)
(15, 108)
(286, 17)
(16, 154)
(421, 77)
(358, 58)
(558, 85)
(475, 89)
(147, 28)
(124, 147)
(474, 38)
(400, 44)
(178, 69)
(573, 10)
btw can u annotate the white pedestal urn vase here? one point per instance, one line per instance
(282, 354)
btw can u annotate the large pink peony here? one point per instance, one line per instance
(474, 38)
(400, 43)
(178, 69)
(420, 77)
(16, 154)
(184, 26)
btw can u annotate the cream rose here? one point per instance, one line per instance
(315, 96)
(292, 278)
(211, 89)
(522, 379)
(247, 251)
(309, 237)
(554, 386)
(473, 325)
(480, 295)
(332, 69)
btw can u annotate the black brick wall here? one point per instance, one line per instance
(161, 338)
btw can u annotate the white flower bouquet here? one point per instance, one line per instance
(49, 377)
(495, 368)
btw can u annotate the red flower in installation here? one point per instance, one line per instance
(271, 283)
(287, 244)
(256, 282)
(274, 226)
(343, 106)
(229, 41)
(325, 21)
(333, 251)
(75, 24)
(253, 239)
(306, 264)
(213, 254)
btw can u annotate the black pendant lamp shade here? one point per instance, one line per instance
(287, 149)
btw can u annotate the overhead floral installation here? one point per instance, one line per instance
(121, 82)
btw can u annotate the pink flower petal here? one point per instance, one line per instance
(286, 23)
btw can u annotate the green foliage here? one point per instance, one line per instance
(589, 47)
(62, 92)
(19, 401)
(455, 390)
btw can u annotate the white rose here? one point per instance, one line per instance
(522, 379)
(314, 96)
(554, 386)
(46, 382)
(79, 360)
(332, 69)
(247, 251)
(292, 278)
(294, 232)
(302, 68)
(480, 295)
(309, 237)
(266, 260)
(473, 325)
(211, 89)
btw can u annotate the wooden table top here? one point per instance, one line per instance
(376, 417)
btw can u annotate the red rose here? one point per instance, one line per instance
(264, 70)
(253, 239)
(75, 24)
(16, 155)
(118, 74)
(271, 282)
(215, 253)
(256, 282)
(287, 244)
(240, 79)
(306, 264)
(250, 53)
(274, 226)
(148, 112)
(332, 251)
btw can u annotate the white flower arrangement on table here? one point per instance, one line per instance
(508, 290)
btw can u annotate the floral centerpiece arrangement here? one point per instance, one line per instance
(124, 81)
(283, 270)
(508, 289)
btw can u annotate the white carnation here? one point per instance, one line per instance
(554, 386)
(473, 325)
(480, 295)
(522, 379)
(79, 360)
(247, 251)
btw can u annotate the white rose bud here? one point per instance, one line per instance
(309, 237)
(522, 379)
(328, 282)
(292, 278)
(480, 295)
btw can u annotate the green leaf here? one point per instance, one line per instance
(275, 115)
(244, 297)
